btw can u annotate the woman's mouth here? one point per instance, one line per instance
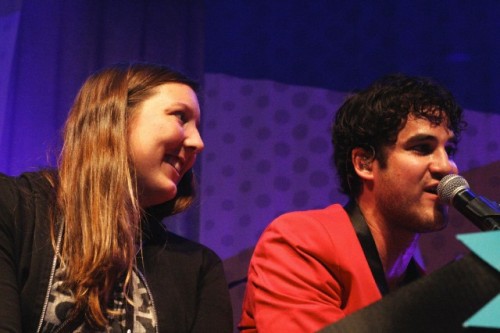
(175, 162)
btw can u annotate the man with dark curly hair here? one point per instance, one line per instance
(393, 142)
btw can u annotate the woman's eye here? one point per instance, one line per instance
(181, 116)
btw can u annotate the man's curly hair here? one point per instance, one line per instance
(372, 118)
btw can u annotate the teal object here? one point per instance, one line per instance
(485, 245)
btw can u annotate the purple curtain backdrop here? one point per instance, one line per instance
(50, 47)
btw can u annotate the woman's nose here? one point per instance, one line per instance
(193, 140)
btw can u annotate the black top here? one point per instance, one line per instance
(186, 278)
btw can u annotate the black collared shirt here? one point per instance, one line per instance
(370, 250)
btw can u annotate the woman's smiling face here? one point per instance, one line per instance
(164, 141)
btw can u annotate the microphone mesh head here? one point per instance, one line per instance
(450, 185)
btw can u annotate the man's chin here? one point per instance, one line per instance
(437, 224)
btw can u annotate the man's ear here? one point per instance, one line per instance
(362, 160)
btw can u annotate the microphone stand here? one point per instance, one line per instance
(484, 213)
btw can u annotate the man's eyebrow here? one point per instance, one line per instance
(429, 137)
(421, 137)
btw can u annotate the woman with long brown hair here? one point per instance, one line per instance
(84, 248)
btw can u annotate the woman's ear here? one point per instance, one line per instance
(362, 160)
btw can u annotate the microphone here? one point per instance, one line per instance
(484, 213)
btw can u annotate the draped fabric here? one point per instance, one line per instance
(273, 73)
(50, 47)
(276, 72)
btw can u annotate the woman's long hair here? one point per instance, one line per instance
(97, 192)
